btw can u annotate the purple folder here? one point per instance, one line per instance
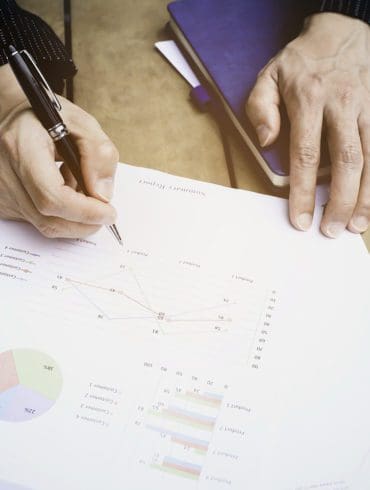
(230, 41)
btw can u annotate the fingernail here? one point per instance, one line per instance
(333, 230)
(104, 187)
(360, 223)
(263, 134)
(304, 221)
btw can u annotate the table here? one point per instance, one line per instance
(140, 101)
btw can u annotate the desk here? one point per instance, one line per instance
(139, 100)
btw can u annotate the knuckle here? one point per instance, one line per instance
(311, 91)
(345, 93)
(46, 204)
(342, 207)
(306, 156)
(7, 139)
(350, 158)
(8, 143)
(76, 116)
(290, 91)
(261, 73)
(267, 71)
(107, 152)
(89, 215)
(92, 122)
(48, 228)
(347, 206)
(364, 208)
(306, 93)
(364, 123)
(254, 101)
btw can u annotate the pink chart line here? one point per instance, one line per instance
(74, 284)
(152, 317)
(106, 314)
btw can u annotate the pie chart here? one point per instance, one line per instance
(30, 383)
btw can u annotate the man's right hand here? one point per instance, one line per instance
(32, 188)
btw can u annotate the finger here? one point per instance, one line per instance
(99, 156)
(52, 227)
(49, 226)
(45, 185)
(305, 140)
(359, 222)
(346, 168)
(68, 177)
(263, 106)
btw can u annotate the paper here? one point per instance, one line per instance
(220, 348)
(172, 53)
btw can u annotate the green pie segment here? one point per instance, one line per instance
(38, 372)
(30, 383)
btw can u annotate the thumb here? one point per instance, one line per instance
(99, 156)
(263, 108)
(99, 159)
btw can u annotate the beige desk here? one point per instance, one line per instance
(139, 100)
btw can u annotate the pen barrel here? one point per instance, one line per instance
(70, 156)
(44, 110)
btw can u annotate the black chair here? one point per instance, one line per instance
(68, 42)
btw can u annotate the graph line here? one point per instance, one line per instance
(113, 291)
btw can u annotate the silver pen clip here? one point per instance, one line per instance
(32, 64)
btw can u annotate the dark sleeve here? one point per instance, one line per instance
(354, 8)
(27, 31)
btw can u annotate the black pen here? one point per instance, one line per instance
(46, 106)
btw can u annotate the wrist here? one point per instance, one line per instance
(327, 32)
(11, 94)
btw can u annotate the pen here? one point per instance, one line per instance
(46, 107)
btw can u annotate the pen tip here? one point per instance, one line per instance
(113, 229)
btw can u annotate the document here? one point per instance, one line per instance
(218, 349)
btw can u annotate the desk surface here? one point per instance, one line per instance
(139, 100)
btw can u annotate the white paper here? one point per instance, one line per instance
(172, 53)
(219, 348)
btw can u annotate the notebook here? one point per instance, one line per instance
(230, 41)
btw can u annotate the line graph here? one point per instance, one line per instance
(175, 306)
(153, 314)
(212, 310)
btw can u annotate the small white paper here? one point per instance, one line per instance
(172, 53)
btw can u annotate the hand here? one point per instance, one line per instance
(32, 188)
(323, 76)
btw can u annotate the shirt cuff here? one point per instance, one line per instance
(28, 31)
(354, 8)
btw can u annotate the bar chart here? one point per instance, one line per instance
(189, 428)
